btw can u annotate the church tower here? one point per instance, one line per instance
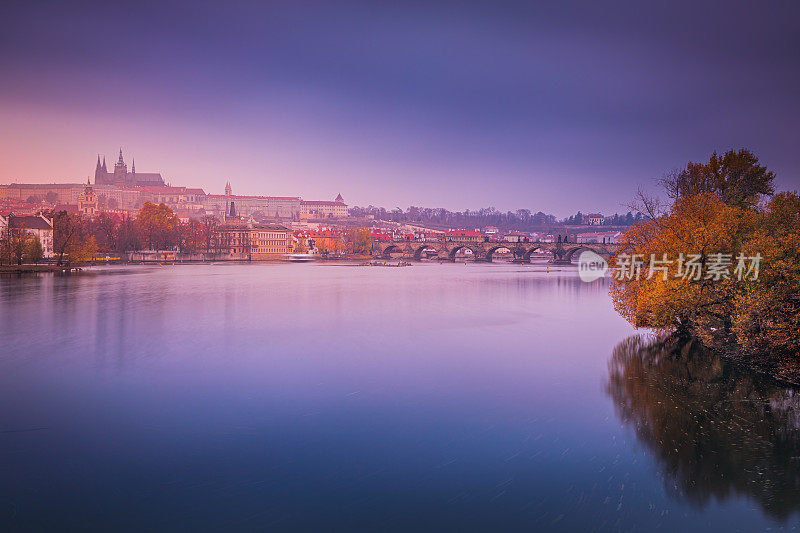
(228, 191)
(99, 175)
(120, 171)
(87, 202)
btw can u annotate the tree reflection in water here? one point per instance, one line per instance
(716, 430)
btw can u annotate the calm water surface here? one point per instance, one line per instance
(321, 397)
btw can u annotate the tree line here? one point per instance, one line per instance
(78, 239)
(519, 220)
(617, 219)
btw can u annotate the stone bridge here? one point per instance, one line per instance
(562, 252)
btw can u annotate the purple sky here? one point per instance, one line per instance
(547, 107)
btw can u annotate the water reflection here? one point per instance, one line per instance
(716, 430)
(332, 397)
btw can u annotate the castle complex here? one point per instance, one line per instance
(124, 191)
(122, 178)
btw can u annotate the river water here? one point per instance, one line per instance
(333, 397)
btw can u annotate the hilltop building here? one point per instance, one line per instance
(119, 189)
(594, 219)
(323, 209)
(66, 193)
(122, 178)
(271, 207)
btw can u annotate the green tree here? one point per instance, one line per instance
(32, 250)
(735, 177)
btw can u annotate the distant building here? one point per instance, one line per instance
(490, 230)
(117, 190)
(40, 226)
(111, 198)
(122, 178)
(270, 207)
(172, 195)
(322, 209)
(381, 235)
(515, 236)
(607, 237)
(253, 242)
(461, 235)
(283, 207)
(594, 219)
(19, 207)
(53, 193)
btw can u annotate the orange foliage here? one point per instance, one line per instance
(751, 316)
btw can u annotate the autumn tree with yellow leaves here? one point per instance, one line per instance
(360, 239)
(720, 207)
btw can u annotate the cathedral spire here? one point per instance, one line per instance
(120, 156)
(98, 163)
(104, 164)
(133, 166)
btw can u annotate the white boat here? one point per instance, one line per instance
(300, 258)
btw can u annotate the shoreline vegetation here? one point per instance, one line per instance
(726, 206)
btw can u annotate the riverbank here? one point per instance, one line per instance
(35, 269)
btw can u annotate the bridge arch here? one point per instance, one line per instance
(419, 250)
(492, 249)
(386, 253)
(532, 250)
(601, 251)
(475, 249)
